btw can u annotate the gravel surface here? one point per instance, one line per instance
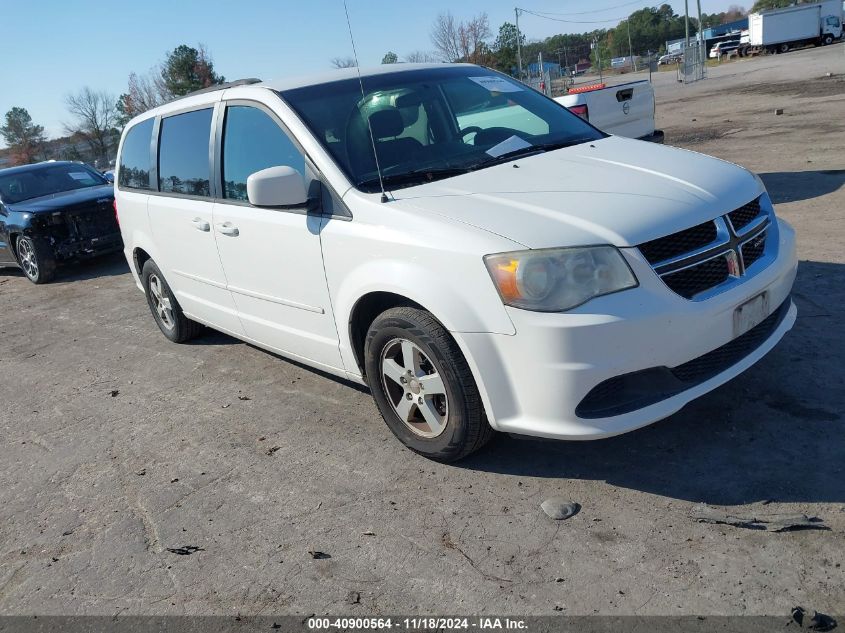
(138, 476)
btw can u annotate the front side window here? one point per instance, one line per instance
(432, 123)
(183, 165)
(253, 141)
(134, 169)
(47, 179)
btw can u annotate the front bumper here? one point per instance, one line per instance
(83, 248)
(533, 382)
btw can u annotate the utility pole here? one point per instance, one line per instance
(630, 49)
(686, 22)
(598, 58)
(700, 39)
(518, 45)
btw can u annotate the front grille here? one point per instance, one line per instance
(698, 259)
(92, 224)
(743, 216)
(696, 279)
(664, 248)
(754, 249)
(635, 390)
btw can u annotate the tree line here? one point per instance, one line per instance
(473, 40)
(98, 117)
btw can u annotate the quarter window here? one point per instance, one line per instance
(134, 169)
(253, 141)
(183, 153)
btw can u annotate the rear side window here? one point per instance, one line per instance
(183, 165)
(253, 141)
(134, 170)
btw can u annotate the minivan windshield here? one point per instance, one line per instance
(432, 123)
(44, 179)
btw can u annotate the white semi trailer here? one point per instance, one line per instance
(778, 30)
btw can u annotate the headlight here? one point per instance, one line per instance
(558, 279)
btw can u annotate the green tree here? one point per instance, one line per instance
(390, 58)
(124, 110)
(24, 138)
(763, 5)
(186, 69)
(505, 47)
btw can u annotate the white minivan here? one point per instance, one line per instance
(479, 256)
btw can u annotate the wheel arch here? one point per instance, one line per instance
(365, 311)
(139, 258)
(14, 236)
(380, 285)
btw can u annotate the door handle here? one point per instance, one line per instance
(201, 224)
(227, 228)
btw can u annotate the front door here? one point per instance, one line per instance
(181, 221)
(272, 258)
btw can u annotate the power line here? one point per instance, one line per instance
(546, 13)
(624, 17)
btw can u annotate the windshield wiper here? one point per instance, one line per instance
(522, 152)
(415, 176)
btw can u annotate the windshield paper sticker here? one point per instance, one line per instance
(80, 175)
(507, 146)
(496, 84)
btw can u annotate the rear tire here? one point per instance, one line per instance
(165, 308)
(783, 48)
(423, 386)
(36, 258)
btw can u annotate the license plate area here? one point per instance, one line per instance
(750, 314)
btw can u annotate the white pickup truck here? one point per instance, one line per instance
(622, 110)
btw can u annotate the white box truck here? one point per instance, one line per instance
(778, 30)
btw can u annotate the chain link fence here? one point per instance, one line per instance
(693, 67)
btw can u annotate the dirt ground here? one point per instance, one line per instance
(138, 476)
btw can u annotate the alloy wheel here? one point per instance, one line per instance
(28, 259)
(414, 387)
(161, 303)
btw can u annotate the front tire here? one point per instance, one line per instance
(828, 40)
(423, 386)
(36, 259)
(166, 310)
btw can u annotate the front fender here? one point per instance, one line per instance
(453, 297)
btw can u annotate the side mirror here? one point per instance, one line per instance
(276, 187)
(109, 176)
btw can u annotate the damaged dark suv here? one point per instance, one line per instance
(55, 212)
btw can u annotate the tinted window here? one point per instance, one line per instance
(46, 179)
(183, 153)
(253, 141)
(134, 170)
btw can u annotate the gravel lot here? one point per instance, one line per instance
(121, 453)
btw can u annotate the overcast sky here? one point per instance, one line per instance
(52, 47)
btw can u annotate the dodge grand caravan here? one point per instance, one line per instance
(479, 256)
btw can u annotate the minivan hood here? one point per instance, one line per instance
(65, 200)
(611, 191)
